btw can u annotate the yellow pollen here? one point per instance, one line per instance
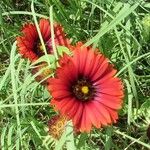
(41, 48)
(85, 89)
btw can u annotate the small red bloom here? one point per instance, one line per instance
(85, 89)
(29, 44)
(57, 125)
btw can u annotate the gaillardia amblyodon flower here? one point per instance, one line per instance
(86, 90)
(29, 45)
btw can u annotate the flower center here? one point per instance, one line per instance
(39, 50)
(40, 47)
(83, 90)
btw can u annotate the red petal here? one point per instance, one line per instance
(76, 59)
(100, 71)
(98, 61)
(113, 114)
(58, 87)
(93, 115)
(59, 94)
(45, 29)
(22, 42)
(77, 117)
(107, 76)
(30, 32)
(68, 104)
(110, 72)
(102, 118)
(82, 122)
(112, 91)
(89, 62)
(103, 111)
(85, 124)
(64, 60)
(25, 49)
(110, 82)
(109, 103)
(88, 123)
(82, 59)
(55, 81)
(67, 73)
(74, 108)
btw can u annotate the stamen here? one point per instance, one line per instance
(85, 89)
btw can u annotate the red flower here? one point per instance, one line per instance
(85, 89)
(29, 44)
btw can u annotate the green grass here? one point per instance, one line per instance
(118, 29)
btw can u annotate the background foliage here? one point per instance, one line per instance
(120, 29)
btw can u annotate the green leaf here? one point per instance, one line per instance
(124, 12)
(70, 137)
(82, 140)
(51, 59)
(62, 49)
